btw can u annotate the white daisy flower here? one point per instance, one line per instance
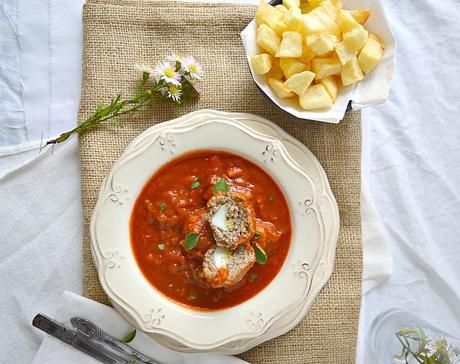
(143, 68)
(167, 72)
(190, 65)
(174, 93)
(173, 57)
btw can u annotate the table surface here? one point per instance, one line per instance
(410, 161)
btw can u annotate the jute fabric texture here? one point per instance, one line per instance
(121, 33)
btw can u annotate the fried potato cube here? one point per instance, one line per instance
(291, 3)
(345, 21)
(324, 67)
(371, 54)
(262, 63)
(315, 3)
(355, 38)
(311, 24)
(291, 66)
(279, 88)
(271, 16)
(332, 88)
(316, 97)
(305, 7)
(327, 16)
(293, 19)
(291, 45)
(344, 52)
(321, 44)
(360, 16)
(282, 8)
(275, 71)
(307, 54)
(351, 72)
(299, 82)
(266, 13)
(268, 39)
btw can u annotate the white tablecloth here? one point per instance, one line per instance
(410, 161)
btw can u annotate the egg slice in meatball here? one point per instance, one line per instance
(232, 219)
(222, 268)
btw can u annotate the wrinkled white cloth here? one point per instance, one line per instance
(41, 219)
(52, 351)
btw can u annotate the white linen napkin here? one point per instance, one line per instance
(53, 351)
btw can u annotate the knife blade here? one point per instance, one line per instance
(95, 333)
(76, 340)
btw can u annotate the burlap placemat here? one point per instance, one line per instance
(120, 33)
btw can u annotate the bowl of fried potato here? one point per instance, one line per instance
(310, 57)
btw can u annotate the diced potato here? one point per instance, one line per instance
(266, 14)
(360, 16)
(316, 97)
(321, 44)
(267, 39)
(291, 66)
(370, 54)
(305, 7)
(324, 67)
(299, 82)
(291, 3)
(344, 52)
(271, 16)
(327, 17)
(279, 88)
(355, 38)
(330, 9)
(275, 71)
(293, 20)
(332, 88)
(262, 63)
(351, 72)
(346, 21)
(311, 24)
(307, 54)
(282, 8)
(315, 3)
(291, 45)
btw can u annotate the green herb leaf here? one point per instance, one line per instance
(221, 185)
(253, 277)
(161, 247)
(192, 295)
(195, 184)
(261, 256)
(130, 336)
(191, 240)
(258, 234)
(163, 206)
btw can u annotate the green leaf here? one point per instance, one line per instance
(161, 247)
(261, 256)
(253, 277)
(163, 206)
(195, 184)
(191, 240)
(221, 185)
(192, 295)
(258, 234)
(130, 336)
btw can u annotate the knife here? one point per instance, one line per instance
(94, 333)
(77, 340)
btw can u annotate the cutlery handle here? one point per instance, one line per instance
(93, 332)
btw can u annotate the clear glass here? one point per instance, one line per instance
(423, 335)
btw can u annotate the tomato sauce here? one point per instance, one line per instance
(173, 204)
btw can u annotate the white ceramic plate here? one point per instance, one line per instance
(280, 306)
